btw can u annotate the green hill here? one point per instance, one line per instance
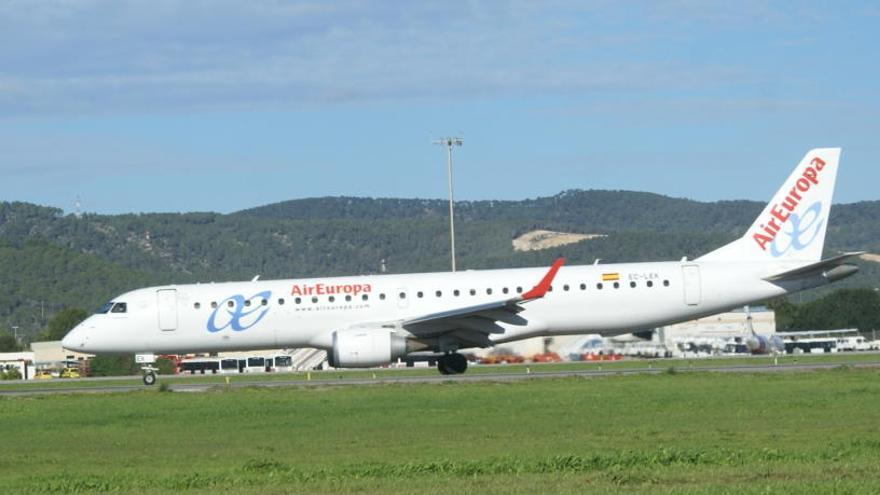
(50, 260)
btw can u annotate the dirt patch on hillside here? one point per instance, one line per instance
(871, 257)
(546, 239)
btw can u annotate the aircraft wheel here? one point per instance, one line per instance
(457, 363)
(149, 378)
(452, 364)
(441, 366)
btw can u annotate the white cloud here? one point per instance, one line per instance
(117, 56)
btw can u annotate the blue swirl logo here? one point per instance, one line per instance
(238, 316)
(804, 230)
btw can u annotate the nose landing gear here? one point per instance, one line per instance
(149, 375)
(452, 364)
(150, 371)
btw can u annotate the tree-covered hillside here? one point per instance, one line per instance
(49, 261)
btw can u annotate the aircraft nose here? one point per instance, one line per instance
(75, 339)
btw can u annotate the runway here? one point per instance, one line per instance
(430, 379)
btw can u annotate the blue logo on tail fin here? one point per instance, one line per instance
(803, 230)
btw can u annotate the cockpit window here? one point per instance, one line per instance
(119, 307)
(104, 309)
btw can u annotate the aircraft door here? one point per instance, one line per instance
(692, 286)
(166, 302)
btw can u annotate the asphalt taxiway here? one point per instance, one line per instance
(389, 378)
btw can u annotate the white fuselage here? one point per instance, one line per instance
(605, 299)
(371, 320)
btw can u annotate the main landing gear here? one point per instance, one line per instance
(452, 364)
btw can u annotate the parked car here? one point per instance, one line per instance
(70, 373)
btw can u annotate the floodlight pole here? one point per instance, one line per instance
(449, 142)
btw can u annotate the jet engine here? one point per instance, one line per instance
(365, 347)
(760, 344)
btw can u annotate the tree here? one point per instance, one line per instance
(114, 365)
(843, 308)
(7, 342)
(63, 322)
(786, 312)
(10, 374)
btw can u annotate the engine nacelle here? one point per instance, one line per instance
(365, 347)
(759, 344)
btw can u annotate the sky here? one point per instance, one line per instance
(197, 105)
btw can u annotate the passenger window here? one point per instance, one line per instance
(298, 300)
(197, 305)
(314, 299)
(599, 286)
(214, 304)
(666, 283)
(281, 302)
(456, 293)
(264, 302)
(519, 290)
(403, 295)
(489, 291)
(583, 286)
(439, 293)
(382, 296)
(365, 297)
(331, 298)
(348, 297)
(649, 283)
(565, 287)
(230, 303)
(550, 289)
(504, 290)
(616, 285)
(247, 303)
(632, 284)
(420, 294)
(473, 292)
(119, 307)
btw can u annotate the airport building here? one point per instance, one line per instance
(724, 325)
(17, 365)
(49, 353)
(723, 333)
(49, 357)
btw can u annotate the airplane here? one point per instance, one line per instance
(758, 344)
(375, 320)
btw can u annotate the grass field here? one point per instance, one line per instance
(805, 432)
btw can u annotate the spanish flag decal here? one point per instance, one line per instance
(610, 277)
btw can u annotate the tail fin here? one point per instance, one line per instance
(792, 226)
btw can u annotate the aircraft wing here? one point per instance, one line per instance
(471, 325)
(823, 267)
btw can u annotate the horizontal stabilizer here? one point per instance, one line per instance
(820, 267)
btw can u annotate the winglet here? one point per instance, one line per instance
(543, 286)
